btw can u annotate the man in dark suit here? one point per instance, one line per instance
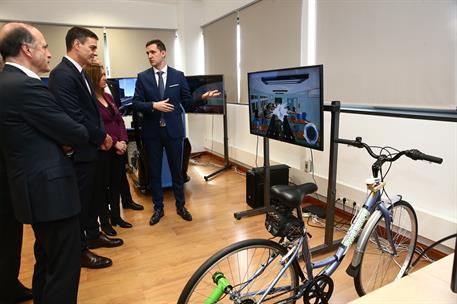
(35, 132)
(160, 94)
(69, 85)
(11, 234)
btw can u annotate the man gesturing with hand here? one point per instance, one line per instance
(160, 94)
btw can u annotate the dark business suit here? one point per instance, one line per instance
(171, 136)
(11, 236)
(70, 90)
(42, 181)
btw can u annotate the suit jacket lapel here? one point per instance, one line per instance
(155, 87)
(171, 79)
(80, 78)
(92, 90)
(91, 94)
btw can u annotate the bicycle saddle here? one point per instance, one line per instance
(292, 196)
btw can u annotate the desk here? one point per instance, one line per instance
(431, 284)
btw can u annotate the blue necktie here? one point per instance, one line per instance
(161, 86)
(161, 94)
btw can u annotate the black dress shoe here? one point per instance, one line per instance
(121, 223)
(184, 213)
(155, 218)
(23, 294)
(93, 261)
(132, 205)
(109, 230)
(104, 241)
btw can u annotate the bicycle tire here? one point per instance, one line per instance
(378, 267)
(246, 256)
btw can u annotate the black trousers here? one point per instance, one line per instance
(10, 256)
(58, 261)
(86, 174)
(108, 184)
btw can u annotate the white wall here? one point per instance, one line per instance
(114, 13)
(214, 9)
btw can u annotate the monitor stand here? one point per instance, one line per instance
(227, 164)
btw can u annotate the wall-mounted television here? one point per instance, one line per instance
(201, 84)
(288, 105)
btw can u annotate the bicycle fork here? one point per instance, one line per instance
(388, 217)
(382, 211)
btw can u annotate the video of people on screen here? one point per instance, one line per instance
(286, 105)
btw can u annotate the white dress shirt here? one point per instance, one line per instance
(27, 71)
(164, 75)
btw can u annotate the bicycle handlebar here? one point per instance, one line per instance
(418, 155)
(414, 154)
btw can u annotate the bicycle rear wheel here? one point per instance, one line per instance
(249, 266)
(378, 266)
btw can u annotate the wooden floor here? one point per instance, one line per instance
(156, 261)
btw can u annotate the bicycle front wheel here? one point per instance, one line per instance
(249, 267)
(379, 266)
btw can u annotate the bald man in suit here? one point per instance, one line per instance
(11, 234)
(36, 135)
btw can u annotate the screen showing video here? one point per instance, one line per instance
(201, 84)
(126, 87)
(287, 105)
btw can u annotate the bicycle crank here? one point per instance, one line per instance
(247, 300)
(319, 290)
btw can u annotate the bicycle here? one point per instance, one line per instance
(263, 271)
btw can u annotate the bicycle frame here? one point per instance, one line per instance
(371, 210)
(370, 213)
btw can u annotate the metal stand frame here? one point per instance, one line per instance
(329, 243)
(227, 164)
(335, 108)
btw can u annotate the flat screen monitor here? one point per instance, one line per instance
(203, 83)
(123, 90)
(126, 88)
(287, 105)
